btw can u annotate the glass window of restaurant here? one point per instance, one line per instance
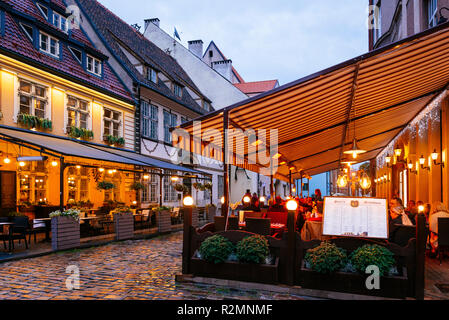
(151, 191)
(78, 184)
(170, 194)
(32, 182)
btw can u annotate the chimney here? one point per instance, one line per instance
(196, 47)
(224, 68)
(155, 21)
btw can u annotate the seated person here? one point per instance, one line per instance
(277, 206)
(439, 211)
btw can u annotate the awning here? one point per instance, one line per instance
(150, 161)
(381, 92)
(63, 146)
(73, 148)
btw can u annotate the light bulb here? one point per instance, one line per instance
(54, 163)
(7, 160)
(292, 205)
(246, 199)
(222, 200)
(188, 201)
(22, 164)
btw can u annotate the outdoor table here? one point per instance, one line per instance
(9, 225)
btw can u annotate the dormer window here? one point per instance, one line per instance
(206, 105)
(60, 22)
(177, 89)
(43, 10)
(48, 44)
(28, 30)
(77, 54)
(93, 65)
(152, 75)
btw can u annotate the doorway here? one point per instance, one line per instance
(8, 194)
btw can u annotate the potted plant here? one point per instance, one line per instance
(249, 260)
(124, 223)
(80, 133)
(65, 229)
(181, 188)
(30, 121)
(208, 186)
(328, 267)
(105, 185)
(137, 186)
(114, 141)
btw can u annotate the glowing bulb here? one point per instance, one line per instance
(54, 163)
(146, 177)
(342, 181)
(222, 200)
(246, 199)
(421, 208)
(388, 160)
(292, 205)
(101, 169)
(174, 179)
(262, 199)
(422, 160)
(188, 201)
(22, 164)
(434, 155)
(78, 167)
(7, 160)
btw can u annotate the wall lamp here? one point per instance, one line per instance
(410, 168)
(422, 160)
(388, 161)
(434, 157)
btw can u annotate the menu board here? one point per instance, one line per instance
(355, 217)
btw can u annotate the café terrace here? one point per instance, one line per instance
(388, 107)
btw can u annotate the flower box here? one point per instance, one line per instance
(124, 226)
(391, 286)
(65, 233)
(231, 270)
(164, 221)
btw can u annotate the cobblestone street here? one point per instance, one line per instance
(143, 269)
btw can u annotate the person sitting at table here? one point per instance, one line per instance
(439, 210)
(254, 205)
(317, 195)
(277, 206)
(411, 210)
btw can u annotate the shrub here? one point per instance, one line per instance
(373, 255)
(326, 258)
(253, 249)
(73, 213)
(216, 249)
(105, 185)
(137, 186)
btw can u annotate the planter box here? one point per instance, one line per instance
(124, 226)
(164, 221)
(261, 273)
(65, 233)
(211, 212)
(390, 286)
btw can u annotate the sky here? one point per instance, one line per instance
(276, 39)
(282, 39)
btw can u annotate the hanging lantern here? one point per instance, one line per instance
(365, 182)
(355, 150)
(342, 181)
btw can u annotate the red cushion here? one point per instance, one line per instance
(277, 217)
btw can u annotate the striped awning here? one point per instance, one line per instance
(378, 93)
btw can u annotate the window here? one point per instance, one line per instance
(32, 99)
(177, 90)
(149, 120)
(170, 194)
(432, 8)
(60, 22)
(48, 44)
(151, 191)
(112, 123)
(220, 186)
(28, 31)
(93, 65)
(211, 54)
(77, 113)
(206, 105)
(184, 120)
(43, 10)
(152, 75)
(170, 120)
(377, 22)
(77, 54)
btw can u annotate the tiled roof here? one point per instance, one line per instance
(15, 42)
(256, 87)
(117, 33)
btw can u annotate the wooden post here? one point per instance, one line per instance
(291, 245)
(225, 205)
(186, 245)
(421, 239)
(290, 182)
(160, 189)
(61, 184)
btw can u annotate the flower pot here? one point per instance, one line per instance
(230, 270)
(164, 221)
(355, 283)
(65, 233)
(124, 226)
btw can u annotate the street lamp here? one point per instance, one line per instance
(188, 201)
(292, 205)
(410, 168)
(422, 160)
(434, 157)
